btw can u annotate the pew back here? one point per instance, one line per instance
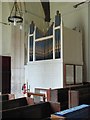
(40, 110)
(80, 112)
(9, 104)
(4, 97)
(65, 96)
(82, 96)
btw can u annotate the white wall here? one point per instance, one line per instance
(45, 74)
(89, 42)
(17, 54)
(13, 45)
(75, 18)
(0, 47)
(0, 28)
(6, 31)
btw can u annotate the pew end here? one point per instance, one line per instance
(11, 96)
(55, 106)
(7, 96)
(30, 101)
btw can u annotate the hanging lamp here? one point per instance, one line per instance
(15, 14)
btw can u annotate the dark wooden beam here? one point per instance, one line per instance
(46, 8)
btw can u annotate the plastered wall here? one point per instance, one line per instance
(0, 28)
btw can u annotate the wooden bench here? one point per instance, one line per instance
(80, 112)
(69, 96)
(41, 110)
(4, 97)
(9, 104)
(66, 96)
(80, 96)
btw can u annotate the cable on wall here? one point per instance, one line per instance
(87, 1)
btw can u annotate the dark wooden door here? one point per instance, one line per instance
(5, 73)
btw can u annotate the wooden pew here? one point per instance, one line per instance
(80, 96)
(4, 97)
(9, 104)
(41, 110)
(56, 117)
(56, 95)
(81, 112)
(79, 86)
(69, 96)
(64, 95)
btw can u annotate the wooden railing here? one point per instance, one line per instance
(47, 92)
(36, 94)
